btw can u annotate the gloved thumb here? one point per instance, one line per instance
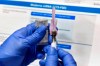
(52, 56)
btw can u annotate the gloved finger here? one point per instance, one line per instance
(67, 58)
(52, 57)
(45, 49)
(49, 36)
(42, 62)
(25, 31)
(31, 28)
(40, 55)
(49, 39)
(37, 36)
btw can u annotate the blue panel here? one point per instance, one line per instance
(65, 46)
(50, 15)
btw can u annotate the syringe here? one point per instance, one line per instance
(53, 30)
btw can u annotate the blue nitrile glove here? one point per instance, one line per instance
(20, 48)
(51, 58)
(66, 58)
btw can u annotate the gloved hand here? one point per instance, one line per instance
(67, 58)
(20, 48)
(53, 55)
